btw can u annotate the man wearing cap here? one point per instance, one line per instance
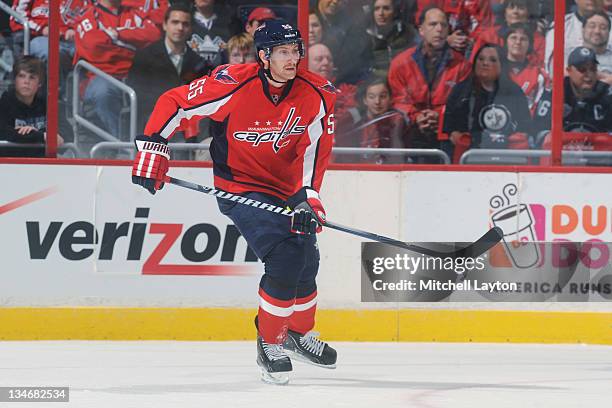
(257, 17)
(588, 102)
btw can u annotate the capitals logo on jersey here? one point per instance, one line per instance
(278, 138)
(224, 77)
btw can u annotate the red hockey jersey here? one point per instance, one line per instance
(154, 10)
(258, 145)
(471, 16)
(37, 12)
(408, 81)
(96, 43)
(534, 82)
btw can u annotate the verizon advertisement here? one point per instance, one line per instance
(86, 234)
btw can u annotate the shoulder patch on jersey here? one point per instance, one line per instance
(222, 75)
(329, 87)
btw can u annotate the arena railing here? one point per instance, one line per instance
(511, 157)
(22, 20)
(76, 101)
(98, 150)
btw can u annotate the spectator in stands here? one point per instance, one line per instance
(154, 10)
(167, 63)
(257, 17)
(380, 126)
(321, 61)
(108, 36)
(422, 77)
(6, 49)
(388, 35)
(37, 12)
(487, 110)
(596, 33)
(17, 35)
(241, 49)
(514, 12)
(589, 100)
(466, 19)
(531, 78)
(344, 34)
(587, 107)
(573, 30)
(213, 26)
(24, 109)
(315, 29)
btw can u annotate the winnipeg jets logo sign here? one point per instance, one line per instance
(494, 118)
(278, 137)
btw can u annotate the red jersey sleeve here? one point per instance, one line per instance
(400, 89)
(315, 150)
(143, 33)
(208, 96)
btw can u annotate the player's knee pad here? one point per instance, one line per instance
(311, 263)
(290, 262)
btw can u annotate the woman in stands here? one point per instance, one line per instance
(531, 78)
(487, 110)
(514, 12)
(388, 34)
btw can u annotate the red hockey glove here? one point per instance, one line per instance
(151, 162)
(308, 212)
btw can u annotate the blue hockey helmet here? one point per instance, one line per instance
(273, 33)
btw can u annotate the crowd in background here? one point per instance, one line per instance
(427, 74)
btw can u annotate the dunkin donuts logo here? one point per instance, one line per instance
(526, 225)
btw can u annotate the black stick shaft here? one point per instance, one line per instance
(486, 242)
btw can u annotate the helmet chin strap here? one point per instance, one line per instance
(271, 78)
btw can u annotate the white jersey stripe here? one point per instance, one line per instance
(305, 306)
(275, 310)
(315, 130)
(204, 110)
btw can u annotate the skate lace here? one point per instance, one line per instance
(311, 343)
(274, 351)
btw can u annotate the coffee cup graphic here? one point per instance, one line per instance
(519, 238)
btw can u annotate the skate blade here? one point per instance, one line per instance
(297, 356)
(274, 378)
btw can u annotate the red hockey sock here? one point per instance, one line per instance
(303, 318)
(273, 317)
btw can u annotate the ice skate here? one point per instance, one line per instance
(309, 349)
(274, 362)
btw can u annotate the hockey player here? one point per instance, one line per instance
(273, 138)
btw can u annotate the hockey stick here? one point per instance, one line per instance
(483, 244)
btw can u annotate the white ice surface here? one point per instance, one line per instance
(385, 375)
